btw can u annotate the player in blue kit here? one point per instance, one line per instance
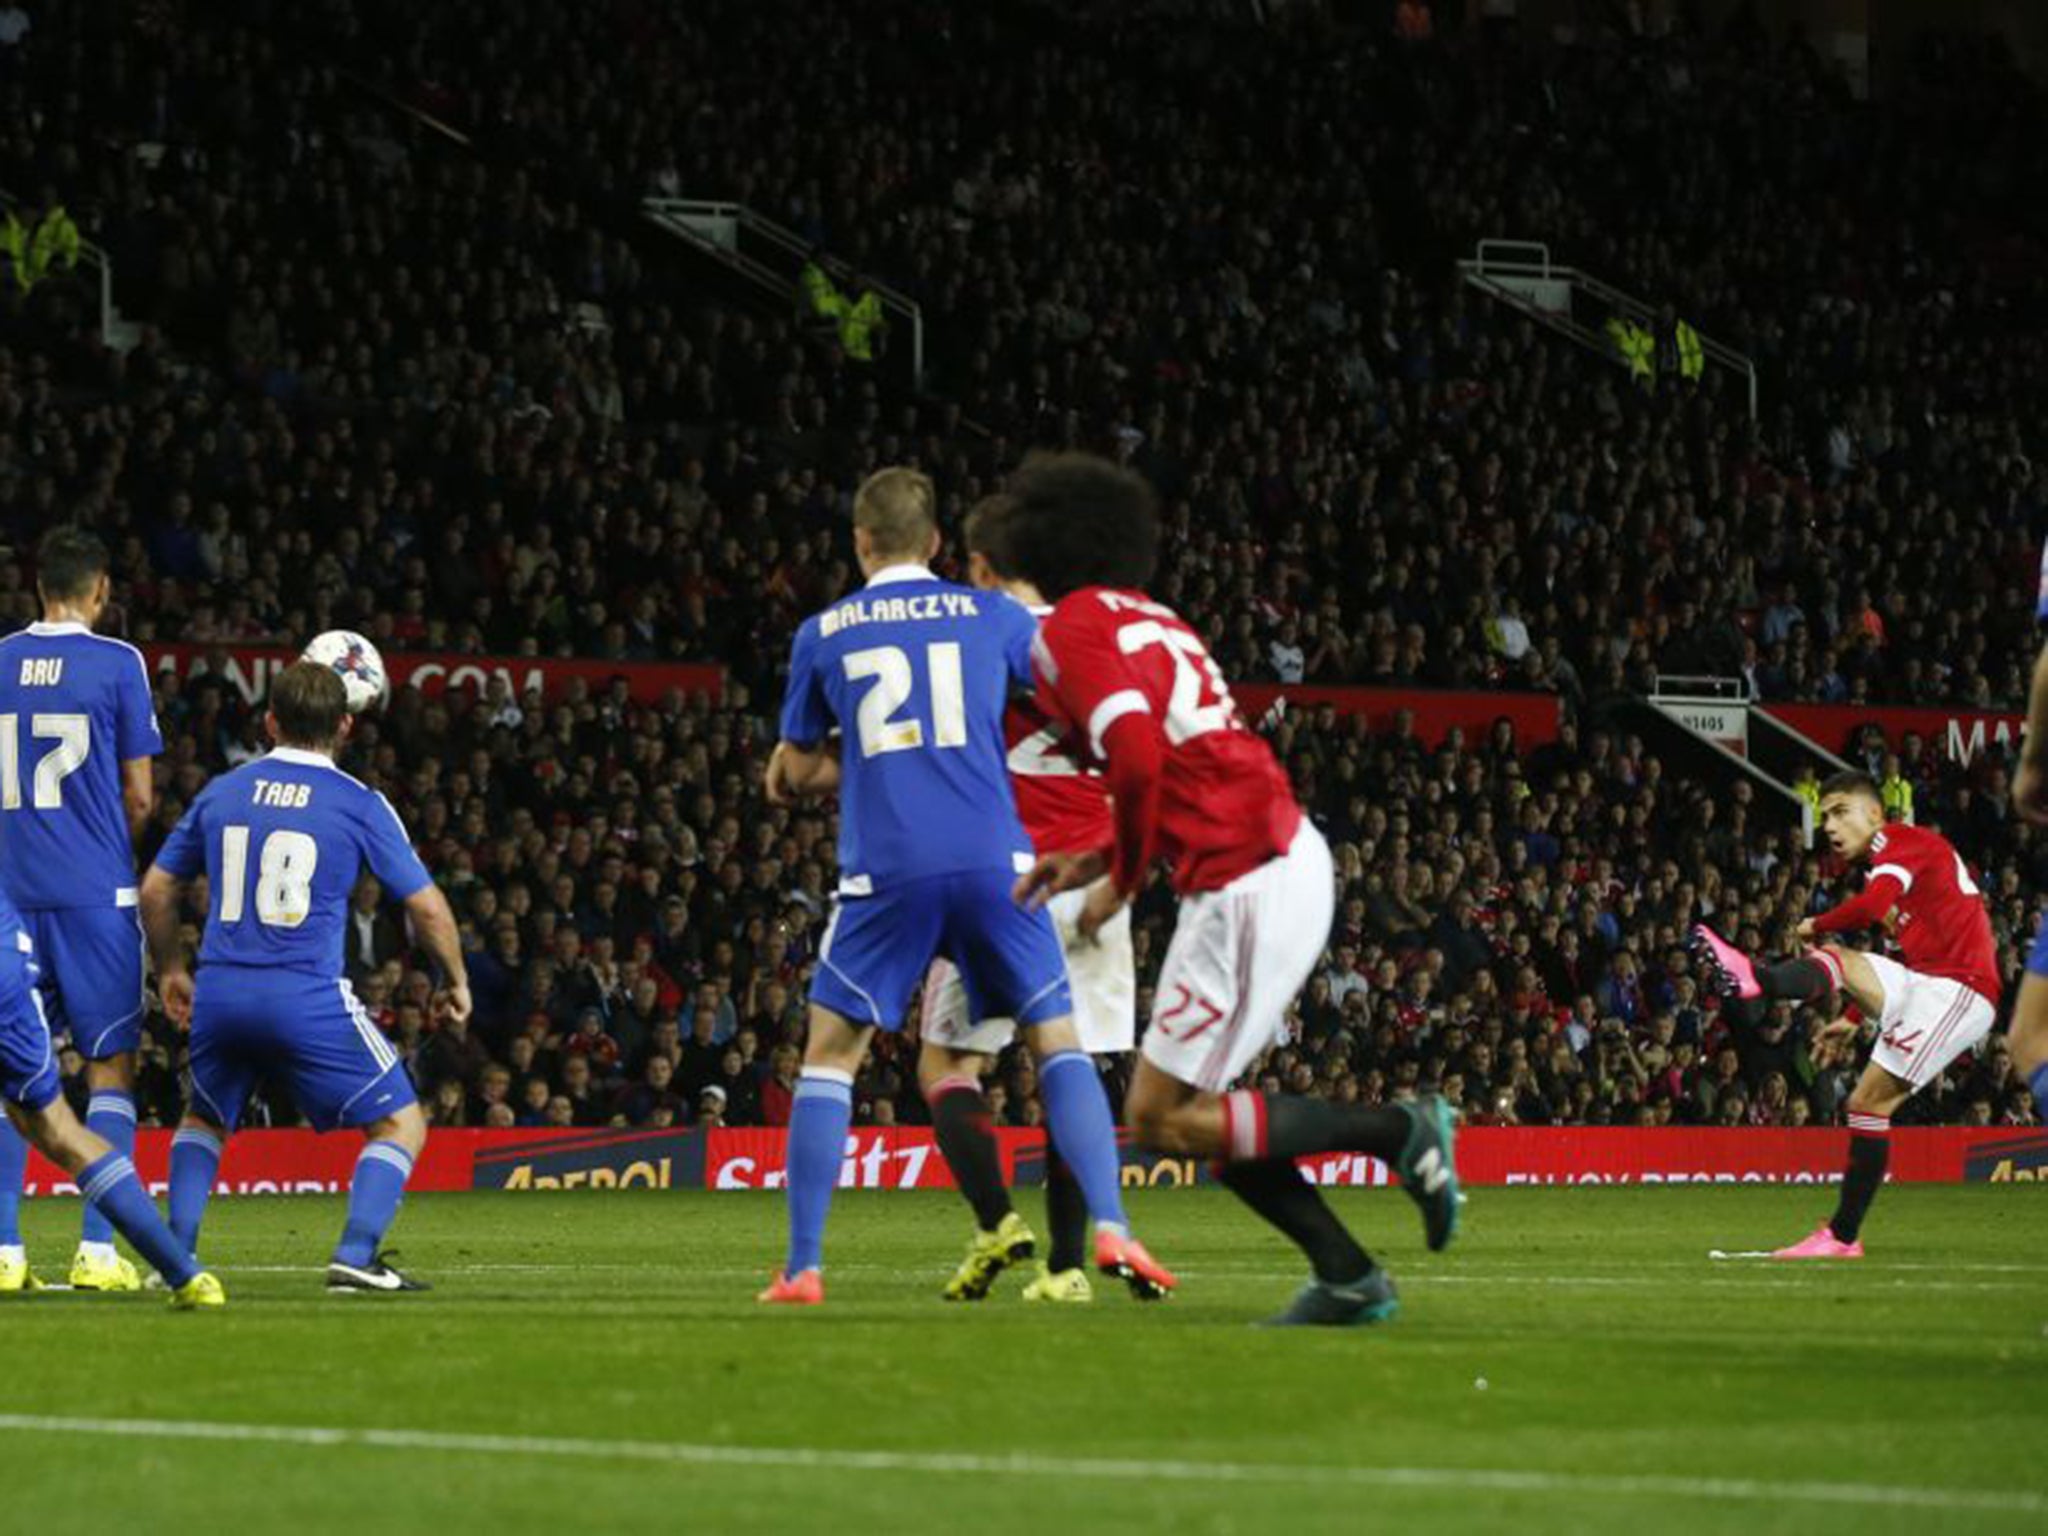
(282, 841)
(915, 673)
(2029, 1036)
(34, 1100)
(77, 732)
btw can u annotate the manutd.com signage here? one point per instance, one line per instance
(299, 1162)
(1960, 735)
(249, 670)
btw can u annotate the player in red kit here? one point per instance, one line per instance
(1063, 805)
(1937, 1004)
(1137, 692)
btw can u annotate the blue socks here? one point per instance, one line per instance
(13, 1170)
(195, 1159)
(109, 1181)
(2038, 1082)
(818, 1123)
(1077, 1115)
(109, 1115)
(373, 1199)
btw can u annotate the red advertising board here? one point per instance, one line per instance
(1961, 735)
(249, 669)
(1436, 711)
(300, 1162)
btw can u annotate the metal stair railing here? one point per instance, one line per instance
(1577, 305)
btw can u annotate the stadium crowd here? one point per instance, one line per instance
(447, 400)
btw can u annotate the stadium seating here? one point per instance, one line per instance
(438, 395)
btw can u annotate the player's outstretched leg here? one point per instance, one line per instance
(966, 1135)
(107, 1176)
(390, 1148)
(109, 1115)
(195, 1162)
(818, 1123)
(1066, 1216)
(1084, 1133)
(1812, 978)
(15, 1275)
(2029, 1040)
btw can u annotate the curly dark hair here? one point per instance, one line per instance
(1075, 520)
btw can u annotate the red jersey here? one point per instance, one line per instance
(1063, 803)
(1943, 928)
(1127, 678)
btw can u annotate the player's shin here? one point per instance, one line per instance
(967, 1139)
(818, 1122)
(13, 1171)
(1082, 1129)
(1870, 1145)
(1275, 1188)
(195, 1161)
(374, 1195)
(110, 1181)
(109, 1115)
(1066, 1213)
(1262, 1125)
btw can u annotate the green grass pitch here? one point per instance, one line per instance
(596, 1362)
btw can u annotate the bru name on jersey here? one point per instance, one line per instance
(896, 610)
(281, 796)
(42, 671)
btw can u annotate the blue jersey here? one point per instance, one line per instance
(281, 842)
(916, 673)
(2041, 595)
(74, 706)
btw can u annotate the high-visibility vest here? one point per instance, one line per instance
(857, 324)
(1897, 795)
(1692, 357)
(1638, 348)
(824, 296)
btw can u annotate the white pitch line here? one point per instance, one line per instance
(1122, 1469)
(1772, 1279)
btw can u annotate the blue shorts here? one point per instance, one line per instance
(878, 948)
(2037, 958)
(28, 1061)
(249, 1022)
(92, 976)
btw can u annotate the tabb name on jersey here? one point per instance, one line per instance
(897, 610)
(276, 794)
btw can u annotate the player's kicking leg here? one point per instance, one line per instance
(818, 1123)
(1237, 959)
(1925, 1023)
(16, 1277)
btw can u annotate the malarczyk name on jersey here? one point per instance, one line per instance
(897, 610)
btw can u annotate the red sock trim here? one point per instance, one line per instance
(946, 1085)
(1830, 964)
(1869, 1125)
(1244, 1126)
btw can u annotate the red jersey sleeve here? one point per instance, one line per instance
(1866, 909)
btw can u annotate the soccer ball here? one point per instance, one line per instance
(356, 661)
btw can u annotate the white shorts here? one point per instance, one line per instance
(1101, 970)
(1928, 1021)
(1238, 959)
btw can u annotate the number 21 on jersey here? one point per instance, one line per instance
(894, 680)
